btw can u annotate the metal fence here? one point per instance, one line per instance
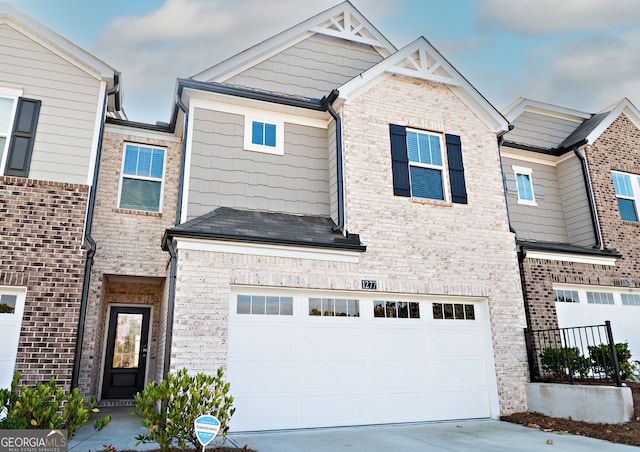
(573, 355)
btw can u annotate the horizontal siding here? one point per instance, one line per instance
(69, 96)
(223, 174)
(576, 202)
(311, 68)
(540, 130)
(544, 221)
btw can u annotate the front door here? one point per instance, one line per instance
(126, 358)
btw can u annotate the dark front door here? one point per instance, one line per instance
(126, 359)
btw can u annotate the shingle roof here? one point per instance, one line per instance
(266, 227)
(583, 131)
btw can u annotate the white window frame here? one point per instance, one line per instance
(583, 299)
(13, 94)
(154, 179)
(635, 188)
(442, 168)
(278, 149)
(521, 170)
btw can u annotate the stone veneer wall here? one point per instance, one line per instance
(618, 148)
(41, 244)
(128, 245)
(413, 247)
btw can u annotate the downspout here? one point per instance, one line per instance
(87, 235)
(173, 260)
(504, 185)
(328, 105)
(592, 205)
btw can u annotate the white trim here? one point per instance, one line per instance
(140, 133)
(106, 336)
(257, 249)
(12, 323)
(95, 142)
(14, 94)
(145, 178)
(259, 113)
(521, 170)
(278, 149)
(532, 157)
(571, 257)
(624, 106)
(187, 164)
(443, 168)
(521, 105)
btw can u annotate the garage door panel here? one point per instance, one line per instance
(263, 376)
(255, 340)
(259, 413)
(333, 341)
(397, 342)
(318, 375)
(461, 403)
(322, 410)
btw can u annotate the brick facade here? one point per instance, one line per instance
(413, 247)
(617, 149)
(41, 243)
(129, 266)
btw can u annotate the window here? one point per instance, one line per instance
(396, 309)
(627, 189)
(142, 177)
(334, 307)
(566, 296)
(264, 135)
(453, 311)
(7, 110)
(599, 298)
(8, 303)
(418, 167)
(264, 305)
(524, 182)
(630, 299)
(18, 122)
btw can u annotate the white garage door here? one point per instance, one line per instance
(11, 307)
(312, 360)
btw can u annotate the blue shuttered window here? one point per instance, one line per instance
(627, 188)
(142, 176)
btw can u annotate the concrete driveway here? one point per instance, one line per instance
(469, 435)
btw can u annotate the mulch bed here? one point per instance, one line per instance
(217, 449)
(628, 433)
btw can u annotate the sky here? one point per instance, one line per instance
(580, 54)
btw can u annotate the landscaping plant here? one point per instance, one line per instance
(170, 408)
(601, 360)
(45, 407)
(564, 361)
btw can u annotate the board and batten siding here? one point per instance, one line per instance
(576, 203)
(544, 221)
(223, 174)
(311, 69)
(541, 131)
(70, 96)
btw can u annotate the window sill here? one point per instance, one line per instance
(631, 223)
(139, 212)
(527, 203)
(432, 202)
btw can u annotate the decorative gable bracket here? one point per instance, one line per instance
(345, 25)
(422, 65)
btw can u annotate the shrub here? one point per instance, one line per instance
(171, 407)
(45, 407)
(601, 360)
(564, 361)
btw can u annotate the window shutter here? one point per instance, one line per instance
(22, 138)
(456, 169)
(399, 160)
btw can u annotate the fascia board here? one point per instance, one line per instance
(521, 105)
(55, 43)
(569, 257)
(624, 106)
(266, 49)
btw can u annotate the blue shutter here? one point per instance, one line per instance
(23, 137)
(456, 169)
(399, 160)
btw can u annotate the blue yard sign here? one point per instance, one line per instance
(206, 428)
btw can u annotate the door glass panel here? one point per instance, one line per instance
(127, 347)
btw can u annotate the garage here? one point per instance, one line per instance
(311, 359)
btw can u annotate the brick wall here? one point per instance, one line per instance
(41, 249)
(618, 148)
(128, 245)
(413, 247)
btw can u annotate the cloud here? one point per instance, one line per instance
(547, 17)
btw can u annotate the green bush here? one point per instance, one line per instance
(601, 360)
(45, 407)
(171, 407)
(564, 361)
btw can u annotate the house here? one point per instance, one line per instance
(324, 217)
(54, 97)
(573, 188)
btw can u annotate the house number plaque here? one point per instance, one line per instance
(369, 284)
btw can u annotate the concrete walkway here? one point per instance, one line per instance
(470, 435)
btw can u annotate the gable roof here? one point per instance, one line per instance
(56, 43)
(342, 21)
(420, 60)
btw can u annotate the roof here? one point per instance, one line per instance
(566, 248)
(252, 226)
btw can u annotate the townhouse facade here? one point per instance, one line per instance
(572, 187)
(53, 98)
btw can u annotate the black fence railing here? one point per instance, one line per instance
(573, 355)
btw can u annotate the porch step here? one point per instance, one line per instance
(114, 402)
